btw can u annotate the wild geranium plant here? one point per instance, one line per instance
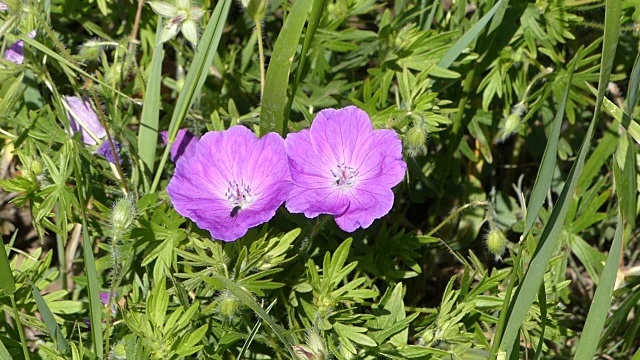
(314, 180)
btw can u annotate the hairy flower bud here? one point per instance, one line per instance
(123, 214)
(496, 242)
(228, 306)
(415, 141)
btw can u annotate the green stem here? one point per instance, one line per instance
(23, 340)
(458, 211)
(116, 156)
(261, 53)
(504, 312)
(163, 161)
(62, 259)
(115, 280)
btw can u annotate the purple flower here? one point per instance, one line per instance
(15, 53)
(104, 298)
(3, 6)
(82, 118)
(233, 182)
(105, 150)
(185, 144)
(342, 167)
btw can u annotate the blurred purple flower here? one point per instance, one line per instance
(15, 53)
(105, 150)
(342, 167)
(233, 182)
(82, 114)
(185, 144)
(82, 118)
(3, 6)
(104, 298)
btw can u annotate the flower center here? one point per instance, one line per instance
(344, 175)
(239, 196)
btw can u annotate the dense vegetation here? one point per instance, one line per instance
(506, 130)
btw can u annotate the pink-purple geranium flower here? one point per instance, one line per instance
(342, 167)
(233, 182)
(184, 145)
(15, 53)
(82, 118)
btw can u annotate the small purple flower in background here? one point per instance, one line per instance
(82, 118)
(342, 167)
(104, 299)
(3, 6)
(105, 150)
(185, 144)
(233, 182)
(15, 53)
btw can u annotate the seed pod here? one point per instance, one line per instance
(496, 242)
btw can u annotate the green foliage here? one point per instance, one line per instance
(506, 136)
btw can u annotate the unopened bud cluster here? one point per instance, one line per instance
(123, 214)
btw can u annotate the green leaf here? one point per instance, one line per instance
(548, 243)
(4, 353)
(548, 164)
(274, 99)
(602, 298)
(248, 300)
(354, 334)
(7, 282)
(49, 320)
(465, 40)
(188, 344)
(148, 134)
(158, 303)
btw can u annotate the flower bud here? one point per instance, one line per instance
(314, 349)
(123, 214)
(415, 141)
(496, 242)
(229, 306)
(36, 167)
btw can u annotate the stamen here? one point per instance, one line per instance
(239, 196)
(345, 176)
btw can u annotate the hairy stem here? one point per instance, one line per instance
(23, 340)
(261, 53)
(115, 282)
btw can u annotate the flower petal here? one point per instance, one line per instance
(169, 31)
(105, 150)
(190, 31)
(163, 9)
(366, 204)
(196, 13)
(15, 53)
(82, 118)
(379, 159)
(337, 134)
(314, 191)
(184, 145)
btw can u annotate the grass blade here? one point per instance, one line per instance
(148, 134)
(49, 320)
(253, 333)
(274, 100)
(248, 300)
(634, 84)
(7, 282)
(314, 19)
(197, 74)
(601, 299)
(548, 164)
(95, 306)
(4, 353)
(465, 40)
(548, 242)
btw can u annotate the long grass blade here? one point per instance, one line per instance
(248, 300)
(465, 40)
(634, 85)
(148, 134)
(548, 242)
(548, 164)
(601, 302)
(314, 19)
(274, 100)
(4, 353)
(49, 320)
(253, 333)
(7, 282)
(196, 75)
(95, 307)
